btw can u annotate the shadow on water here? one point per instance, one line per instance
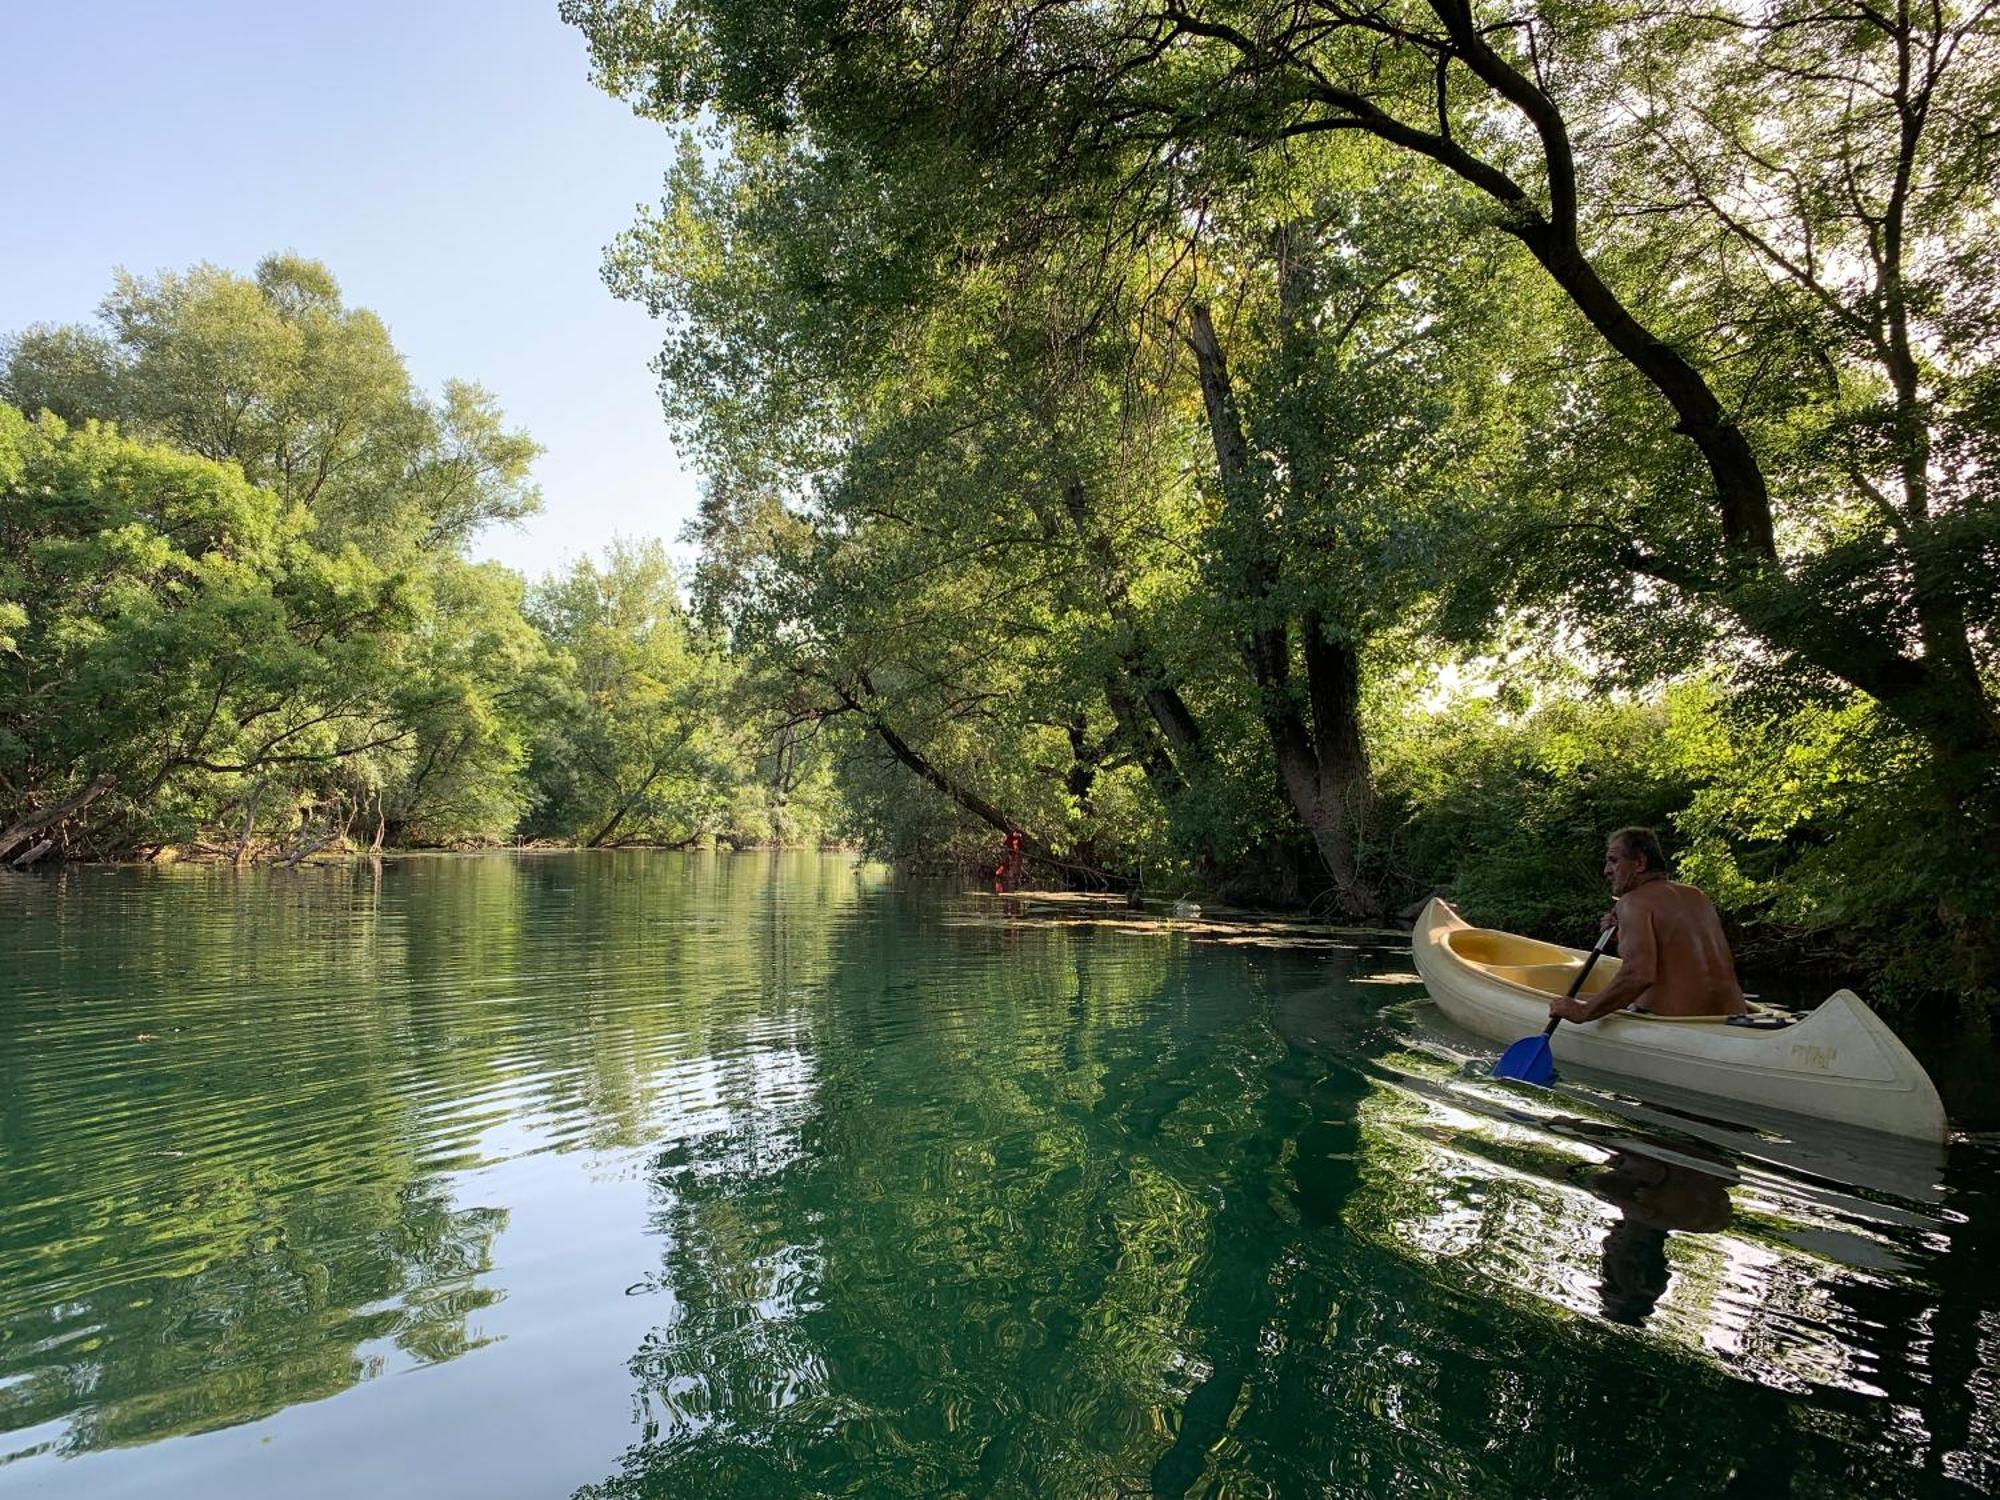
(755, 1178)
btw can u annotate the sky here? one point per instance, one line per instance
(448, 160)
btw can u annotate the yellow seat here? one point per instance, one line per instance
(1487, 948)
(1553, 979)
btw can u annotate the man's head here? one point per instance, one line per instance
(1633, 855)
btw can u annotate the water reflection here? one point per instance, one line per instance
(247, 1115)
(747, 1178)
(1656, 1195)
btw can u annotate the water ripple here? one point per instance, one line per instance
(764, 1176)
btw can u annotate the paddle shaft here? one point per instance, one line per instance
(1603, 942)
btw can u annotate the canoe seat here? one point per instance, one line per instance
(1542, 967)
(1553, 979)
(1486, 947)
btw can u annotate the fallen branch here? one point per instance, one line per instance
(34, 854)
(35, 822)
(306, 851)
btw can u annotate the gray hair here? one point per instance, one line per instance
(1643, 843)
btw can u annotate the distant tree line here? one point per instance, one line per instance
(237, 616)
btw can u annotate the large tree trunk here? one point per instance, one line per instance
(1322, 765)
(1346, 782)
(1186, 747)
(1743, 501)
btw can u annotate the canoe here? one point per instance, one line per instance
(1837, 1062)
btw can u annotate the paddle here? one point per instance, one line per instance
(1530, 1059)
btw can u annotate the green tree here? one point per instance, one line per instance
(629, 745)
(1716, 390)
(176, 636)
(276, 374)
(467, 691)
(1835, 170)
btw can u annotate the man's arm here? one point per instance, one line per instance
(1637, 968)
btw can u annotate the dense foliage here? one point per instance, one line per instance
(236, 614)
(1111, 410)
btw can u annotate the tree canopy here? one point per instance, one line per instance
(237, 617)
(1188, 381)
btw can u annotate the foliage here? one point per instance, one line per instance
(1179, 375)
(238, 618)
(630, 743)
(1809, 831)
(306, 395)
(1510, 813)
(467, 691)
(177, 631)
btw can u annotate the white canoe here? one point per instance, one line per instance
(1838, 1062)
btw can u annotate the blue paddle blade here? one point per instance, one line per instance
(1529, 1060)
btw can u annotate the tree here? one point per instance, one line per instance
(467, 690)
(308, 396)
(176, 636)
(1013, 418)
(1850, 185)
(628, 745)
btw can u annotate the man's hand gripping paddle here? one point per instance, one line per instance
(1530, 1059)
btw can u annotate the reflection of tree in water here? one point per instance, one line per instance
(1094, 1231)
(228, 1103)
(1048, 1221)
(987, 1213)
(210, 1205)
(250, 1304)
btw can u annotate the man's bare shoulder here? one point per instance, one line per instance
(1665, 895)
(1687, 898)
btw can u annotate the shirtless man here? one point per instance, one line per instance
(1673, 958)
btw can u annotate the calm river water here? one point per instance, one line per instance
(650, 1175)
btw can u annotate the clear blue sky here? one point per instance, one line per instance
(448, 159)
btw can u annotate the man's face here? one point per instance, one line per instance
(1621, 867)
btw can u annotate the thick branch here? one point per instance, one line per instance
(47, 817)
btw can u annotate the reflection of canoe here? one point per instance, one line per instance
(1837, 1063)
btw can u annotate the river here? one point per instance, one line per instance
(627, 1174)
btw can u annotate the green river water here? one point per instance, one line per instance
(682, 1175)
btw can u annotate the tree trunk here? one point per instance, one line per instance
(965, 797)
(597, 839)
(971, 801)
(34, 854)
(1346, 784)
(1142, 738)
(35, 822)
(1743, 501)
(1187, 749)
(249, 821)
(1322, 766)
(1940, 695)
(1081, 784)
